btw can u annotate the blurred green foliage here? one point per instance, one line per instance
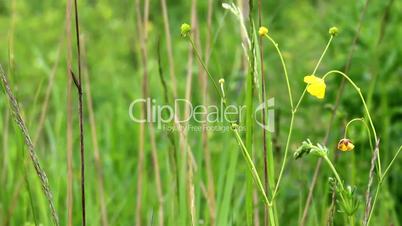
(32, 31)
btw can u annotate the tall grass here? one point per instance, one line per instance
(139, 173)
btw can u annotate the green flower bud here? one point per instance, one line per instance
(333, 31)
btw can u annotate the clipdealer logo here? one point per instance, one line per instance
(163, 114)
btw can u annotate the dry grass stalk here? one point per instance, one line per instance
(169, 47)
(21, 124)
(78, 84)
(207, 154)
(69, 110)
(94, 136)
(45, 104)
(370, 183)
(142, 32)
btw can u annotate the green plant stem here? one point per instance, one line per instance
(284, 69)
(204, 66)
(365, 125)
(237, 135)
(334, 171)
(293, 108)
(351, 220)
(365, 107)
(338, 178)
(391, 163)
(374, 201)
(252, 167)
(323, 54)
(314, 71)
(291, 120)
(284, 157)
(380, 183)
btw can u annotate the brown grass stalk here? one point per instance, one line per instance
(169, 47)
(370, 183)
(45, 104)
(69, 112)
(78, 84)
(263, 98)
(142, 35)
(207, 154)
(94, 136)
(190, 172)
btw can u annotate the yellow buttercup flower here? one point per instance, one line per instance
(316, 86)
(263, 31)
(345, 145)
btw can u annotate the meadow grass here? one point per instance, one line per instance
(138, 173)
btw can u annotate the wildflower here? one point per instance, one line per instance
(221, 81)
(185, 29)
(333, 31)
(263, 31)
(345, 145)
(316, 86)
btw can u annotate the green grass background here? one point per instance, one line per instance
(300, 28)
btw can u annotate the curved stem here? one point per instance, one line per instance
(284, 69)
(365, 125)
(291, 120)
(294, 109)
(365, 107)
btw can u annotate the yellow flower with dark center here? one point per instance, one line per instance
(345, 145)
(315, 86)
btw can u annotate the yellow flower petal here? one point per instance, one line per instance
(310, 79)
(317, 89)
(345, 145)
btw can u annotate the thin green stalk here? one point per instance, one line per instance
(314, 71)
(374, 202)
(338, 178)
(292, 116)
(204, 66)
(391, 163)
(323, 54)
(284, 69)
(238, 138)
(252, 167)
(365, 107)
(365, 125)
(380, 183)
